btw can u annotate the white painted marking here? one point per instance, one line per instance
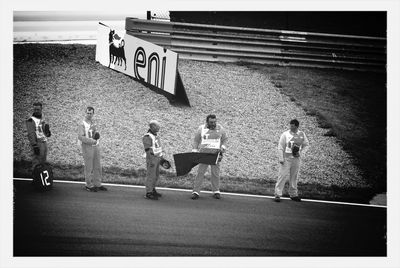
(222, 193)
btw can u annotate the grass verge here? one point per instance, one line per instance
(22, 169)
(350, 105)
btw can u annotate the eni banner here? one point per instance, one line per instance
(151, 64)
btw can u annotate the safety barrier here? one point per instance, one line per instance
(285, 48)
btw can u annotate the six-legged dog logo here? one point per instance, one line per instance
(117, 52)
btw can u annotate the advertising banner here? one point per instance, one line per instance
(149, 63)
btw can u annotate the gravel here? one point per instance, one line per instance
(67, 79)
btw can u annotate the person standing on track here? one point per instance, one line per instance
(209, 138)
(293, 144)
(152, 147)
(38, 132)
(89, 139)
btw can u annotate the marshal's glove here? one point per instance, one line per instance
(220, 157)
(36, 150)
(296, 150)
(96, 136)
(47, 130)
(165, 163)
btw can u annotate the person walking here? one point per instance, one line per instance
(209, 138)
(153, 151)
(292, 146)
(89, 138)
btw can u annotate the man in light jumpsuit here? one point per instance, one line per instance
(209, 138)
(154, 152)
(38, 132)
(89, 139)
(290, 160)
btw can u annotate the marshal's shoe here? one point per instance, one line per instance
(151, 196)
(296, 198)
(156, 193)
(102, 188)
(91, 189)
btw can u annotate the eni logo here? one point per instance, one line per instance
(152, 62)
(116, 46)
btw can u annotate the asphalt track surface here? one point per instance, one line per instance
(69, 221)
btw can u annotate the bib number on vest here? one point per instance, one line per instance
(211, 143)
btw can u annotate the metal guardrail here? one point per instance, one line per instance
(278, 47)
